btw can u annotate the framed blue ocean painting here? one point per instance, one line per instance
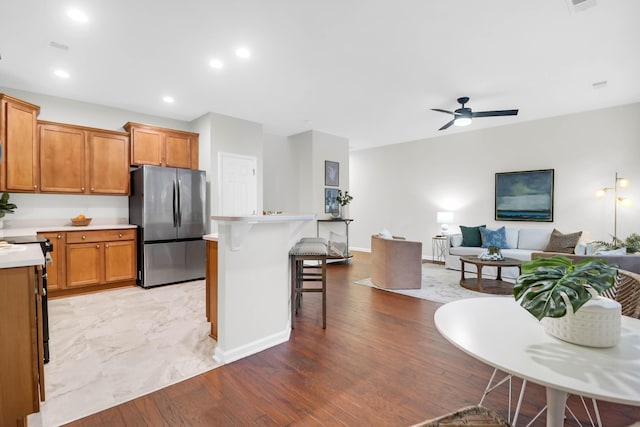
(524, 196)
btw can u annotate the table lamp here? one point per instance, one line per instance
(444, 218)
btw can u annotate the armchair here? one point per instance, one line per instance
(396, 263)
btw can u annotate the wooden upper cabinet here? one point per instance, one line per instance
(19, 167)
(81, 160)
(108, 164)
(152, 145)
(146, 146)
(62, 158)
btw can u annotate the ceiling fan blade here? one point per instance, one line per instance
(495, 113)
(443, 111)
(447, 125)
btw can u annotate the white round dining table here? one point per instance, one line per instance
(502, 334)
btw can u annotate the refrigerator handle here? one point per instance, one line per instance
(175, 210)
(179, 203)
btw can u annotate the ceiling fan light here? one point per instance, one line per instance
(462, 121)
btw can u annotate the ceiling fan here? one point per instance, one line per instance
(463, 115)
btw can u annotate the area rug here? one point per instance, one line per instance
(110, 347)
(438, 285)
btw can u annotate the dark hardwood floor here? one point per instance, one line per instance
(380, 362)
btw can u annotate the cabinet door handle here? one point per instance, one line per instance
(93, 189)
(59, 236)
(82, 189)
(120, 235)
(84, 237)
(98, 246)
(35, 187)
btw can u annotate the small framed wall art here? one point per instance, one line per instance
(331, 200)
(524, 196)
(331, 173)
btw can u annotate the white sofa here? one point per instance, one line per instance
(521, 242)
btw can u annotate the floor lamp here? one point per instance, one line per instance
(624, 202)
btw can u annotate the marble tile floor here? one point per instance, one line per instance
(110, 347)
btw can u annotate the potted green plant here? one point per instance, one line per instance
(5, 207)
(556, 288)
(631, 243)
(343, 200)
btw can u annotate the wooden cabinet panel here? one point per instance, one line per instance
(85, 264)
(211, 277)
(119, 260)
(178, 150)
(108, 164)
(81, 160)
(20, 171)
(152, 145)
(21, 373)
(62, 158)
(147, 147)
(100, 235)
(56, 270)
(91, 260)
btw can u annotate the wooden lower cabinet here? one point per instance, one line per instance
(91, 260)
(21, 350)
(56, 269)
(212, 287)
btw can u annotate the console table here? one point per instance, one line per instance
(346, 222)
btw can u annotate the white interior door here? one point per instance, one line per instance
(238, 185)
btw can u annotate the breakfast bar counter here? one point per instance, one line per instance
(253, 290)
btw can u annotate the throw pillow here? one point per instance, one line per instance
(456, 240)
(493, 237)
(563, 243)
(337, 244)
(471, 236)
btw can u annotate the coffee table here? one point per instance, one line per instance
(490, 286)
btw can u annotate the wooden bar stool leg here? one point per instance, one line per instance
(294, 293)
(324, 293)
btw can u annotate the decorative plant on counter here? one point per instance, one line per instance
(544, 281)
(344, 199)
(5, 206)
(631, 243)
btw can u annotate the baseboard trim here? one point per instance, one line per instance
(231, 355)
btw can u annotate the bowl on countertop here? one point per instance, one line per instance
(81, 222)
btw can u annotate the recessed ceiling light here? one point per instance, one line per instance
(62, 74)
(168, 99)
(243, 52)
(77, 15)
(216, 63)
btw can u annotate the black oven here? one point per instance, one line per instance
(47, 247)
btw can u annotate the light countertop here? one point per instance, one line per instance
(254, 219)
(21, 256)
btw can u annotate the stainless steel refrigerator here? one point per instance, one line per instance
(168, 206)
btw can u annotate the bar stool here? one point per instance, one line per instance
(310, 249)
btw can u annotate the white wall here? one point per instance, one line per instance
(280, 175)
(225, 134)
(92, 115)
(401, 187)
(310, 150)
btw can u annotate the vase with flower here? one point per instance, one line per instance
(343, 200)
